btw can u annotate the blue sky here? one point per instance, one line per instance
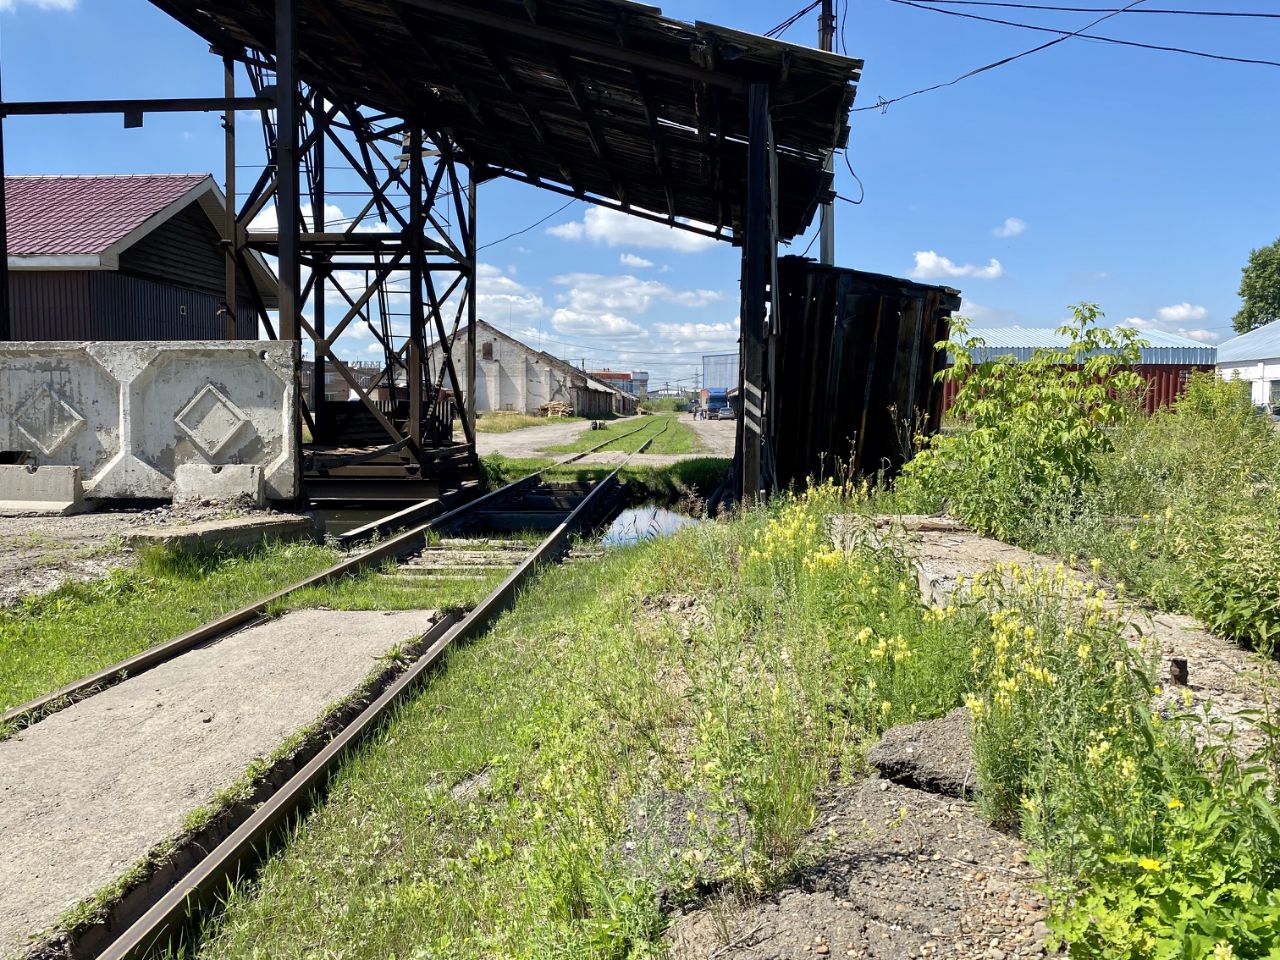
(1134, 178)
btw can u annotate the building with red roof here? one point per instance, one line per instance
(124, 258)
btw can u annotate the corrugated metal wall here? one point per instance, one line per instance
(100, 305)
(169, 287)
(720, 371)
(1165, 383)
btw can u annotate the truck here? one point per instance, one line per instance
(715, 403)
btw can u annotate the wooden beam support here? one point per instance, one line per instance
(759, 255)
(595, 134)
(572, 42)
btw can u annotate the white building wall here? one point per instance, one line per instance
(1260, 375)
(516, 378)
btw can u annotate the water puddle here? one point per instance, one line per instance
(644, 523)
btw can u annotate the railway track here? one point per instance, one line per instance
(500, 540)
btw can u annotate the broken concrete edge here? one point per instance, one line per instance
(46, 489)
(90, 927)
(222, 534)
(934, 756)
(218, 482)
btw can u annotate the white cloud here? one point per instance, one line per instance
(1012, 227)
(10, 5)
(576, 323)
(1174, 319)
(499, 298)
(334, 219)
(631, 260)
(615, 229)
(1182, 313)
(985, 316)
(932, 266)
(711, 337)
(598, 293)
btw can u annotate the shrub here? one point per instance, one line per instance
(1029, 431)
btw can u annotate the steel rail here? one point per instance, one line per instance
(395, 547)
(237, 854)
(416, 511)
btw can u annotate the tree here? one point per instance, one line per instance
(1259, 289)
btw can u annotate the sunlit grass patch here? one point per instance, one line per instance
(504, 421)
(49, 641)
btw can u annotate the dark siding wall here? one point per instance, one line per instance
(184, 251)
(99, 305)
(53, 305)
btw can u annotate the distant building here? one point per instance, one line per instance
(719, 371)
(636, 382)
(511, 375)
(1254, 357)
(1164, 363)
(124, 258)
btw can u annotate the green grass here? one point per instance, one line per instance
(49, 641)
(677, 437)
(490, 816)
(504, 421)
(586, 699)
(665, 405)
(697, 476)
(373, 590)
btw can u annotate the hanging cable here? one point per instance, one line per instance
(882, 104)
(1090, 36)
(791, 21)
(1009, 4)
(510, 236)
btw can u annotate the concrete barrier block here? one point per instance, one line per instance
(129, 414)
(209, 481)
(47, 489)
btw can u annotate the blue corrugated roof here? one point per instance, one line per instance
(1260, 344)
(1022, 342)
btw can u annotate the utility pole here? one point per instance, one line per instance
(827, 223)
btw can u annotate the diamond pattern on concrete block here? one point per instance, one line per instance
(211, 420)
(47, 420)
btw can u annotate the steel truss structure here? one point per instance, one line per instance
(400, 272)
(398, 108)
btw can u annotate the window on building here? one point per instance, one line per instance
(486, 350)
(1273, 396)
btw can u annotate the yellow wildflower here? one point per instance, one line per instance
(1175, 803)
(1146, 863)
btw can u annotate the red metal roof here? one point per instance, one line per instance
(63, 216)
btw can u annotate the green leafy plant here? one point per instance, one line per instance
(1029, 430)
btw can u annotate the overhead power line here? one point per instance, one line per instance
(792, 20)
(1089, 36)
(1009, 4)
(511, 236)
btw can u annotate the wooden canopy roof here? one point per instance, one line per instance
(605, 99)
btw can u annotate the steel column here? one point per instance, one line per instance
(287, 171)
(471, 303)
(231, 242)
(827, 226)
(417, 325)
(6, 330)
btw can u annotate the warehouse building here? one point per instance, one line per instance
(634, 382)
(511, 375)
(1165, 362)
(719, 371)
(1254, 358)
(124, 258)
